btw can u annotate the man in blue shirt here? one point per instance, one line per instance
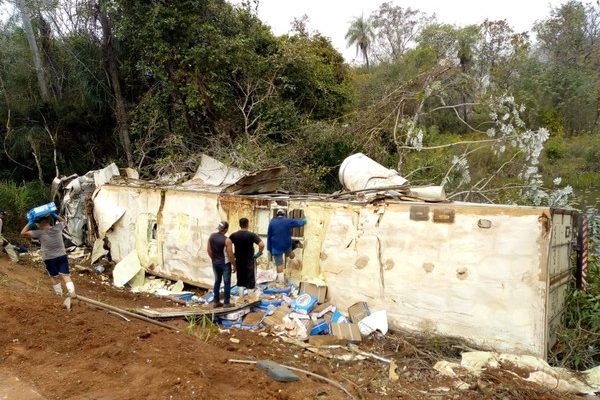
(279, 239)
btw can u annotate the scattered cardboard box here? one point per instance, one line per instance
(276, 318)
(322, 309)
(358, 311)
(325, 340)
(346, 331)
(253, 318)
(318, 291)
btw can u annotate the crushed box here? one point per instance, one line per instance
(346, 331)
(318, 291)
(277, 317)
(253, 318)
(325, 340)
(322, 309)
(358, 311)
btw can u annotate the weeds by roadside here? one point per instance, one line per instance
(201, 326)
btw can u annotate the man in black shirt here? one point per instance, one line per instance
(243, 242)
(220, 252)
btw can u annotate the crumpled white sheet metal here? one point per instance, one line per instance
(214, 173)
(560, 379)
(103, 176)
(98, 250)
(126, 269)
(106, 212)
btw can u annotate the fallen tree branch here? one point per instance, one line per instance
(124, 312)
(120, 315)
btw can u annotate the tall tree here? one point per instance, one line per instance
(569, 46)
(35, 52)
(396, 29)
(360, 34)
(112, 68)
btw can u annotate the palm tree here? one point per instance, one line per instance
(360, 33)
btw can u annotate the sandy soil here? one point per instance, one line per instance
(88, 353)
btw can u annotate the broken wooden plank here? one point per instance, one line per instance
(175, 312)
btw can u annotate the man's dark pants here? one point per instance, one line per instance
(222, 272)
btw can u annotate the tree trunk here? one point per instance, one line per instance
(35, 52)
(35, 151)
(111, 66)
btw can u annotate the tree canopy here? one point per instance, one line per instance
(152, 85)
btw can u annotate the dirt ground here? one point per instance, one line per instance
(47, 352)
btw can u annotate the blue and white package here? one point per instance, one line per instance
(271, 290)
(41, 211)
(209, 297)
(321, 328)
(266, 304)
(339, 318)
(304, 303)
(231, 324)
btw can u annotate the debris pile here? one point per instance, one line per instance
(302, 313)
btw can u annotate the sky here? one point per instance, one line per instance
(332, 17)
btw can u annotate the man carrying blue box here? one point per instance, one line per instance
(48, 230)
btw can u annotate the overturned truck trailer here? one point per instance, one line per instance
(494, 275)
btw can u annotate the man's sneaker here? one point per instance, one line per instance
(217, 305)
(228, 305)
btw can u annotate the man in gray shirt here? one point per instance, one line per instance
(49, 233)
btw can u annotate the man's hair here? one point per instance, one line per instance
(244, 223)
(45, 219)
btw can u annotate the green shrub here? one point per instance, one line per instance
(555, 148)
(578, 342)
(592, 155)
(17, 199)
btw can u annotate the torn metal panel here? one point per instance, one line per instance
(264, 181)
(126, 269)
(98, 250)
(73, 208)
(212, 172)
(428, 193)
(107, 212)
(104, 175)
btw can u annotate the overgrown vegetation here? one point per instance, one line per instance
(578, 343)
(96, 81)
(17, 199)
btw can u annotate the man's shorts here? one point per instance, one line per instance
(278, 258)
(58, 265)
